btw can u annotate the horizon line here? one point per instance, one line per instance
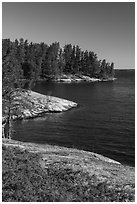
(123, 68)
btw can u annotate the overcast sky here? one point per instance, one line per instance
(108, 29)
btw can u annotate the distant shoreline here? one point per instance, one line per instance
(125, 69)
(69, 78)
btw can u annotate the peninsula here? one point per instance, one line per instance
(38, 105)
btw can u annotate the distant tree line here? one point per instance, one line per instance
(33, 61)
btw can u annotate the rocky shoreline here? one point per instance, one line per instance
(36, 105)
(41, 104)
(69, 78)
(77, 78)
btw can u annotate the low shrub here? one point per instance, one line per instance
(25, 181)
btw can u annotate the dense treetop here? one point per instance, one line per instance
(25, 60)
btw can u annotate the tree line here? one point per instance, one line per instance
(41, 61)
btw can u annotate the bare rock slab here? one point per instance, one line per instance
(40, 104)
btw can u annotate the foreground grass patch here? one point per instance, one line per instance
(24, 180)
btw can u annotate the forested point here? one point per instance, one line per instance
(24, 63)
(35, 61)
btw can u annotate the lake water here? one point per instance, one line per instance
(104, 121)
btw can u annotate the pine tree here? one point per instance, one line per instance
(11, 82)
(72, 59)
(77, 60)
(67, 58)
(61, 63)
(86, 63)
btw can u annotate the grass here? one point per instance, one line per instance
(26, 180)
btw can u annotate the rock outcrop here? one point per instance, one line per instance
(80, 78)
(36, 104)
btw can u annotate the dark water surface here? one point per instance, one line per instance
(104, 122)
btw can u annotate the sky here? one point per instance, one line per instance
(108, 29)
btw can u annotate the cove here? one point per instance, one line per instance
(103, 123)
